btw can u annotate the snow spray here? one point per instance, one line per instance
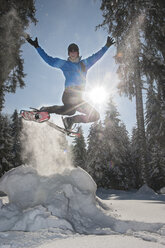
(125, 54)
(44, 148)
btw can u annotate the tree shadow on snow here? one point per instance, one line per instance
(111, 194)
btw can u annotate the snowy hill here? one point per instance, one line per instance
(62, 209)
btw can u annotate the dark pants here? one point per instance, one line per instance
(72, 100)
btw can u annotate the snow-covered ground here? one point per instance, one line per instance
(50, 208)
(62, 210)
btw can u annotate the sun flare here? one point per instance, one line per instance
(98, 95)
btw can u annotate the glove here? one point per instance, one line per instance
(110, 41)
(33, 42)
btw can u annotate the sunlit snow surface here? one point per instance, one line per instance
(63, 204)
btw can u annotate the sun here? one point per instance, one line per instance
(98, 95)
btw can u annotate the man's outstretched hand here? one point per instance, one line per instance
(33, 42)
(110, 41)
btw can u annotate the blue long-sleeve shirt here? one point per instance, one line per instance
(74, 73)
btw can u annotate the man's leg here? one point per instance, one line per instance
(68, 108)
(60, 110)
(91, 114)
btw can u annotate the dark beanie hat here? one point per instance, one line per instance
(73, 47)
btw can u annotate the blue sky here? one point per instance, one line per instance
(61, 22)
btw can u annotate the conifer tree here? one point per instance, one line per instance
(79, 150)
(154, 51)
(156, 167)
(6, 144)
(96, 164)
(16, 126)
(136, 166)
(138, 29)
(15, 16)
(117, 149)
(155, 132)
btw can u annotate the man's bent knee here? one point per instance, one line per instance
(94, 116)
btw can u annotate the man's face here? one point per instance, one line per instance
(73, 54)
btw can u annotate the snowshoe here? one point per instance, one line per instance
(35, 115)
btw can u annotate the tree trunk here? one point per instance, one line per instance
(139, 106)
(141, 128)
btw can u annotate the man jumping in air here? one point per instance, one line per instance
(75, 71)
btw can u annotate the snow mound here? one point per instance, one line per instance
(145, 190)
(26, 188)
(66, 200)
(64, 203)
(162, 190)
